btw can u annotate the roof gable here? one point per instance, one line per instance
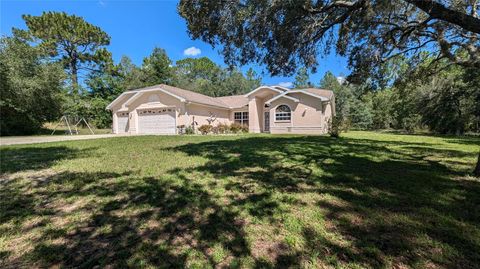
(264, 88)
(181, 94)
(225, 102)
(323, 95)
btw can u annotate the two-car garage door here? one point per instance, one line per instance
(156, 121)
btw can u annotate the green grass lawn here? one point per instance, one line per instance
(365, 200)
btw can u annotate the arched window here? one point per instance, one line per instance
(283, 113)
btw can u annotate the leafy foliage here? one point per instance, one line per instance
(335, 126)
(205, 129)
(286, 35)
(30, 88)
(302, 79)
(204, 76)
(448, 103)
(189, 130)
(157, 68)
(77, 44)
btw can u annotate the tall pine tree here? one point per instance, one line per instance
(77, 44)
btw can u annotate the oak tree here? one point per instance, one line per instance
(285, 35)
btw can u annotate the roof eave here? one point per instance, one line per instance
(202, 104)
(141, 92)
(109, 107)
(283, 95)
(263, 87)
(323, 98)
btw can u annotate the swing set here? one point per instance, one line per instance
(72, 129)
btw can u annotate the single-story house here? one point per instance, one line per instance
(162, 109)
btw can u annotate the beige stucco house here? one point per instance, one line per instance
(162, 109)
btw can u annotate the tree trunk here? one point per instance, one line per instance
(74, 70)
(476, 172)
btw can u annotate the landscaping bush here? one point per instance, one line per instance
(222, 128)
(244, 129)
(189, 130)
(205, 129)
(335, 126)
(236, 128)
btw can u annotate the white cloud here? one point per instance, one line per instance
(286, 84)
(192, 51)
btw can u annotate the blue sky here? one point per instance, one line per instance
(136, 27)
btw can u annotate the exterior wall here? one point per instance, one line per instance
(115, 110)
(114, 123)
(328, 111)
(255, 114)
(202, 113)
(307, 116)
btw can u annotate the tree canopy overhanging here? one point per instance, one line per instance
(285, 35)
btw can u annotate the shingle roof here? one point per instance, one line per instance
(321, 92)
(189, 96)
(194, 96)
(234, 101)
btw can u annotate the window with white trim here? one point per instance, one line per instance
(283, 113)
(241, 118)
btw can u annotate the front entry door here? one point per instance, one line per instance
(266, 127)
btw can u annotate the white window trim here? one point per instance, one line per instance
(242, 118)
(275, 115)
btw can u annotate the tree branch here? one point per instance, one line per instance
(441, 12)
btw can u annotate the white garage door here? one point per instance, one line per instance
(156, 121)
(122, 122)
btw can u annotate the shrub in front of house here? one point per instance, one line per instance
(189, 130)
(223, 128)
(236, 128)
(205, 129)
(334, 126)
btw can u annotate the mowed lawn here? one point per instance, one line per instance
(365, 200)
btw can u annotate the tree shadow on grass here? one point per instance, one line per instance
(473, 141)
(34, 158)
(121, 220)
(393, 207)
(379, 208)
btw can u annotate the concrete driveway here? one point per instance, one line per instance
(16, 140)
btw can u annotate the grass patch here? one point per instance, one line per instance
(364, 200)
